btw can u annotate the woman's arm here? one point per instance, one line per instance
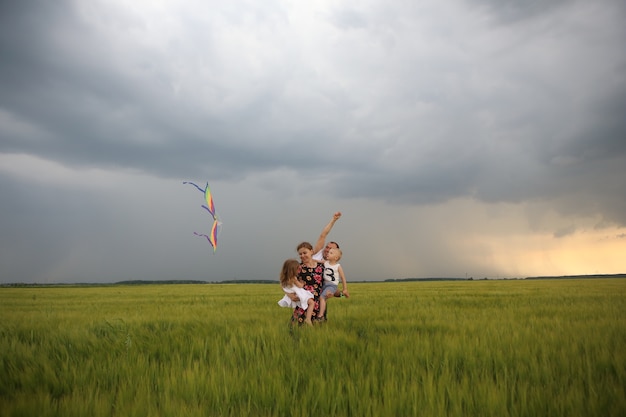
(292, 296)
(325, 231)
(298, 284)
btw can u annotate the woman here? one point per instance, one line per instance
(312, 274)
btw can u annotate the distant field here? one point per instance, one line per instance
(469, 348)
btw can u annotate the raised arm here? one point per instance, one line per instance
(321, 241)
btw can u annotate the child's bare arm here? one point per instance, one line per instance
(344, 283)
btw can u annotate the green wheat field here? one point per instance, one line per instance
(451, 348)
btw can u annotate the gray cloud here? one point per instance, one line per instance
(405, 104)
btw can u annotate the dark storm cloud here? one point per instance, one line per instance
(408, 104)
(60, 77)
(520, 132)
(511, 11)
(97, 105)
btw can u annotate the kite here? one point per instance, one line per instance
(210, 207)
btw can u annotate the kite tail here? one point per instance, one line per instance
(209, 210)
(207, 238)
(189, 182)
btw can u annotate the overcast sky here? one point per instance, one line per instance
(482, 138)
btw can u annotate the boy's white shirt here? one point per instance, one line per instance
(335, 268)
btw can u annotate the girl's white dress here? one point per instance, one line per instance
(302, 294)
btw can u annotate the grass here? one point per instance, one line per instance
(471, 348)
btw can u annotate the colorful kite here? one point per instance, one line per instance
(210, 207)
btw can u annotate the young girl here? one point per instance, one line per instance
(290, 284)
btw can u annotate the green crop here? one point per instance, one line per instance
(469, 348)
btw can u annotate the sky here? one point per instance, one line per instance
(465, 138)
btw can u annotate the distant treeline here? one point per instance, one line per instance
(581, 276)
(232, 281)
(424, 279)
(140, 282)
(512, 278)
(267, 281)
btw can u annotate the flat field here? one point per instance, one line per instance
(468, 348)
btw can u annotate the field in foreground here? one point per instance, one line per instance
(482, 348)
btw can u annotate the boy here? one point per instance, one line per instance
(332, 273)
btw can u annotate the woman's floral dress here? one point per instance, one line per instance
(313, 278)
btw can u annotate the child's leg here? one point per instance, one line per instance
(325, 294)
(322, 306)
(309, 311)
